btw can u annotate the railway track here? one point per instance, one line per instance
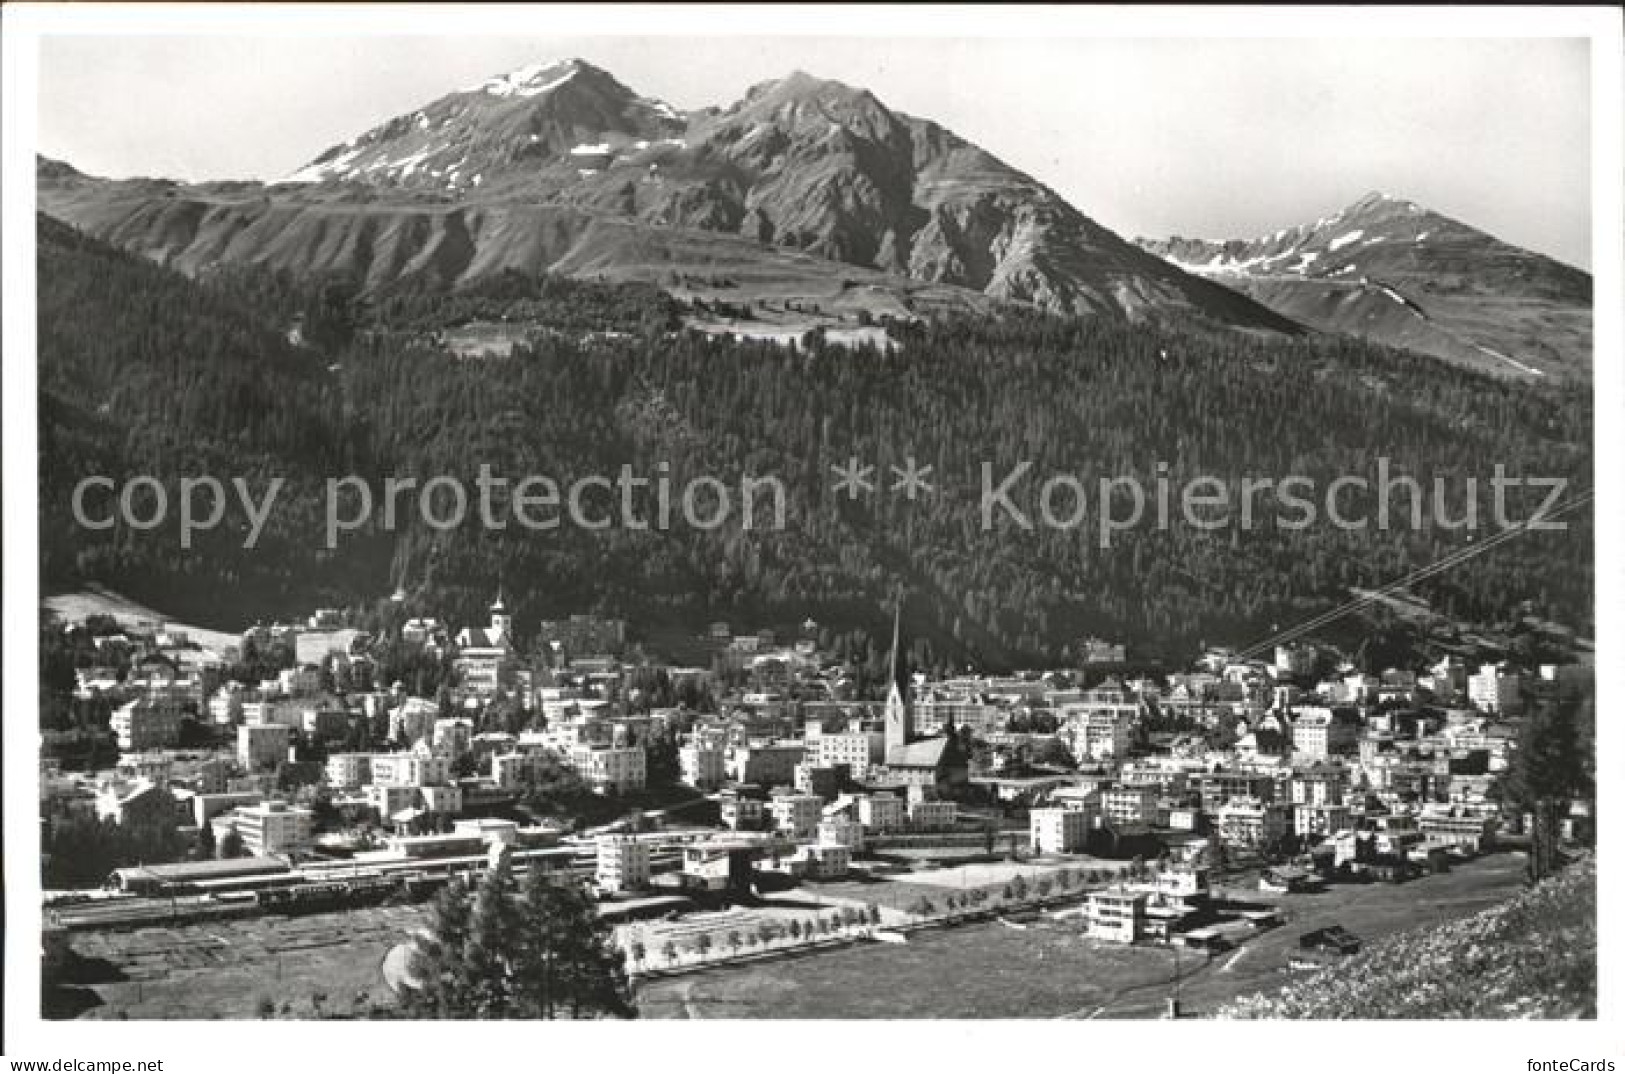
(314, 888)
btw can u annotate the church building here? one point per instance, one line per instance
(937, 762)
(480, 653)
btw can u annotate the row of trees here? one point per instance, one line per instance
(768, 932)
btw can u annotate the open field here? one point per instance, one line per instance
(990, 971)
(99, 601)
(225, 969)
(228, 969)
(311, 647)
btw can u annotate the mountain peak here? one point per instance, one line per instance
(803, 168)
(806, 81)
(1376, 201)
(1391, 270)
(535, 79)
(526, 81)
(798, 85)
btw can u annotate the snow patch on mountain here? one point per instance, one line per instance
(529, 81)
(1344, 239)
(315, 173)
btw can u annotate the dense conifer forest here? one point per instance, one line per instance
(143, 371)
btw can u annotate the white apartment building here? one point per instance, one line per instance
(410, 769)
(1058, 831)
(859, 749)
(267, 828)
(1318, 785)
(840, 831)
(931, 715)
(1163, 779)
(510, 771)
(1494, 690)
(349, 770)
(1320, 819)
(1320, 733)
(623, 863)
(1468, 830)
(1129, 805)
(1251, 822)
(742, 813)
(1116, 914)
(926, 815)
(153, 767)
(612, 769)
(826, 861)
(797, 814)
(446, 799)
(146, 724)
(257, 710)
(1098, 731)
(883, 812)
(702, 766)
(389, 799)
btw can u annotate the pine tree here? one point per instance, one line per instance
(490, 951)
(567, 954)
(437, 960)
(538, 950)
(205, 850)
(1550, 768)
(232, 845)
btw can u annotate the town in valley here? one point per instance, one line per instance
(254, 825)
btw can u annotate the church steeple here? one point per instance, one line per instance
(896, 637)
(501, 621)
(899, 708)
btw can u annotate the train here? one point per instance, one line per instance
(197, 891)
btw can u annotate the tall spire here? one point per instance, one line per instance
(899, 723)
(896, 636)
(501, 621)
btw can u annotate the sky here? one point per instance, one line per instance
(1210, 138)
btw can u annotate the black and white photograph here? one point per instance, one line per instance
(780, 515)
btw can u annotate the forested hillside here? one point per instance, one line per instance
(143, 371)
